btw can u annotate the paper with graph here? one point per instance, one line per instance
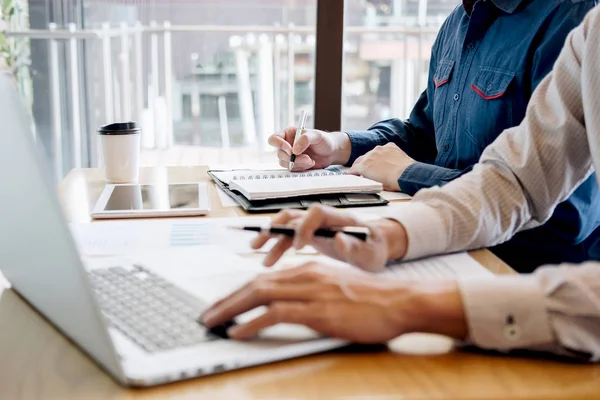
(120, 237)
(125, 236)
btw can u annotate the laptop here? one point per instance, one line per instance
(138, 325)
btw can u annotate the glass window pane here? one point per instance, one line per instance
(386, 57)
(229, 74)
(208, 80)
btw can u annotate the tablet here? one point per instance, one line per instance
(161, 200)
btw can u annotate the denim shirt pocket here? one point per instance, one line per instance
(442, 77)
(493, 103)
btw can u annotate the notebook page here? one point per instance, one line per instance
(259, 189)
(234, 175)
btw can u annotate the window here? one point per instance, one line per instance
(202, 79)
(386, 54)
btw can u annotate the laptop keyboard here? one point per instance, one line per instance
(147, 309)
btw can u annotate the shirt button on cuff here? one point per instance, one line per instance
(456, 97)
(512, 332)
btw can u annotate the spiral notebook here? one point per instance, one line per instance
(270, 190)
(264, 185)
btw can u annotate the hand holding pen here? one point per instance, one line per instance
(364, 245)
(310, 148)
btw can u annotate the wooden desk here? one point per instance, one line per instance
(36, 362)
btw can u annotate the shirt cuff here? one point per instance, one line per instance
(420, 175)
(424, 228)
(361, 142)
(505, 313)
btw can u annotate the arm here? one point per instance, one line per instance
(518, 182)
(521, 176)
(556, 310)
(566, 17)
(422, 175)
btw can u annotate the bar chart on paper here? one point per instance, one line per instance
(121, 237)
(190, 235)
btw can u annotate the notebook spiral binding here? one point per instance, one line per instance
(288, 175)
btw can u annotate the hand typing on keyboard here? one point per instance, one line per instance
(343, 302)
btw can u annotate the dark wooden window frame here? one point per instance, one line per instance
(329, 65)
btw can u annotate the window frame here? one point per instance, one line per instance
(329, 65)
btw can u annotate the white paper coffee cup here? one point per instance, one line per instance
(120, 144)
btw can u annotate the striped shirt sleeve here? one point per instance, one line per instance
(519, 180)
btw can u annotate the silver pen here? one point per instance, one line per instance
(299, 131)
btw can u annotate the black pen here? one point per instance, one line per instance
(358, 232)
(299, 130)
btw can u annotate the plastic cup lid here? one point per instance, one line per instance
(119, 128)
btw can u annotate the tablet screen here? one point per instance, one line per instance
(153, 197)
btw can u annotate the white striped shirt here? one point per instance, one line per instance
(518, 182)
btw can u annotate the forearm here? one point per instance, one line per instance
(414, 136)
(394, 235)
(439, 309)
(343, 147)
(422, 175)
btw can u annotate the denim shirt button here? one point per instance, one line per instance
(456, 97)
(471, 46)
(446, 147)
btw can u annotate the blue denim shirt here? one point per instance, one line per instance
(484, 68)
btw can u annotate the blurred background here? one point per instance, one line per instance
(208, 80)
